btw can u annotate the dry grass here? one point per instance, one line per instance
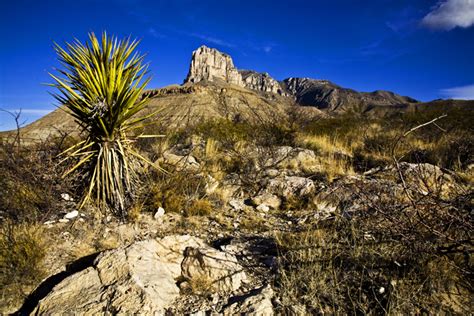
(199, 284)
(325, 144)
(201, 207)
(22, 250)
(333, 156)
(392, 256)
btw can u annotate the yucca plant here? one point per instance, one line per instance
(101, 86)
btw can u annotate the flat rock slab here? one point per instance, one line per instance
(138, 279)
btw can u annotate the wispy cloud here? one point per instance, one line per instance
(382, 49)
(403, 22)
(449, 14)
(212, 40)
(7, 117)
(31, 111)
(267, 48)
(152, 31)
(461, 93)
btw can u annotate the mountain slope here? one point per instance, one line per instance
(326, 95)
(180, 106)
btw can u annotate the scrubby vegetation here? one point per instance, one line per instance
(395, 253)
(380, 233)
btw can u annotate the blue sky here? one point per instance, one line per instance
(420, 48)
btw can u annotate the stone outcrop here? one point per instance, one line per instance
(326, 95)
(141, 278)
(218, 269)
(290, 186)
(260, 82)
(210, 64)
(255, 304)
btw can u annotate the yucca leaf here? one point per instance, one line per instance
(100, 86)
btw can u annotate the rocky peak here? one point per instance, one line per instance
(260, 81)
(211, 64)
(297, 85)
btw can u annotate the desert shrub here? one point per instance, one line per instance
(254, 224)
(201, 207)
(391, 256)
(454, 151)
(22, 250)
(178, 192)
(30, 178)
(229, 133)
(293, 203)
(343, 126)
(225, 131)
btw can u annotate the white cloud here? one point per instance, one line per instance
(460, 93)
(154, 33)
(212, 40)
(267, 48)
(33, 111)
(449, 14)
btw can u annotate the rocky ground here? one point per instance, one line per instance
(234, 259)
(290, 198)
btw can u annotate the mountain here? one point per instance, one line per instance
(328, 96)
(215, 88)
(209, 64)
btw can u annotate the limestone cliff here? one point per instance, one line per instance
(260, 82)
(210, 64)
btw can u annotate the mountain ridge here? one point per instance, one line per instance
(214, 88)
(210, 64)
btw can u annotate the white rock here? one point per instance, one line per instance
(237, 205)
(136, 280)
(71, 214)
(211, 185)
(180, 162)
(254, 304)
(66, 197)
(271, 200)
(49, 222)
(290, 186)
(63, 220)
(159, 213)
(221, 269)
(263, 208)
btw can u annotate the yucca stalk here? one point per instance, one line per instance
(101, 87)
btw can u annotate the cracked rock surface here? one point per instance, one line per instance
(140, 278)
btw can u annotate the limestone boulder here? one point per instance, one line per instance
(290, 186)
(138, 279)
(256, 303)
(219, 270)
(187, 162)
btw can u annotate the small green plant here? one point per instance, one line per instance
(101, 86)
